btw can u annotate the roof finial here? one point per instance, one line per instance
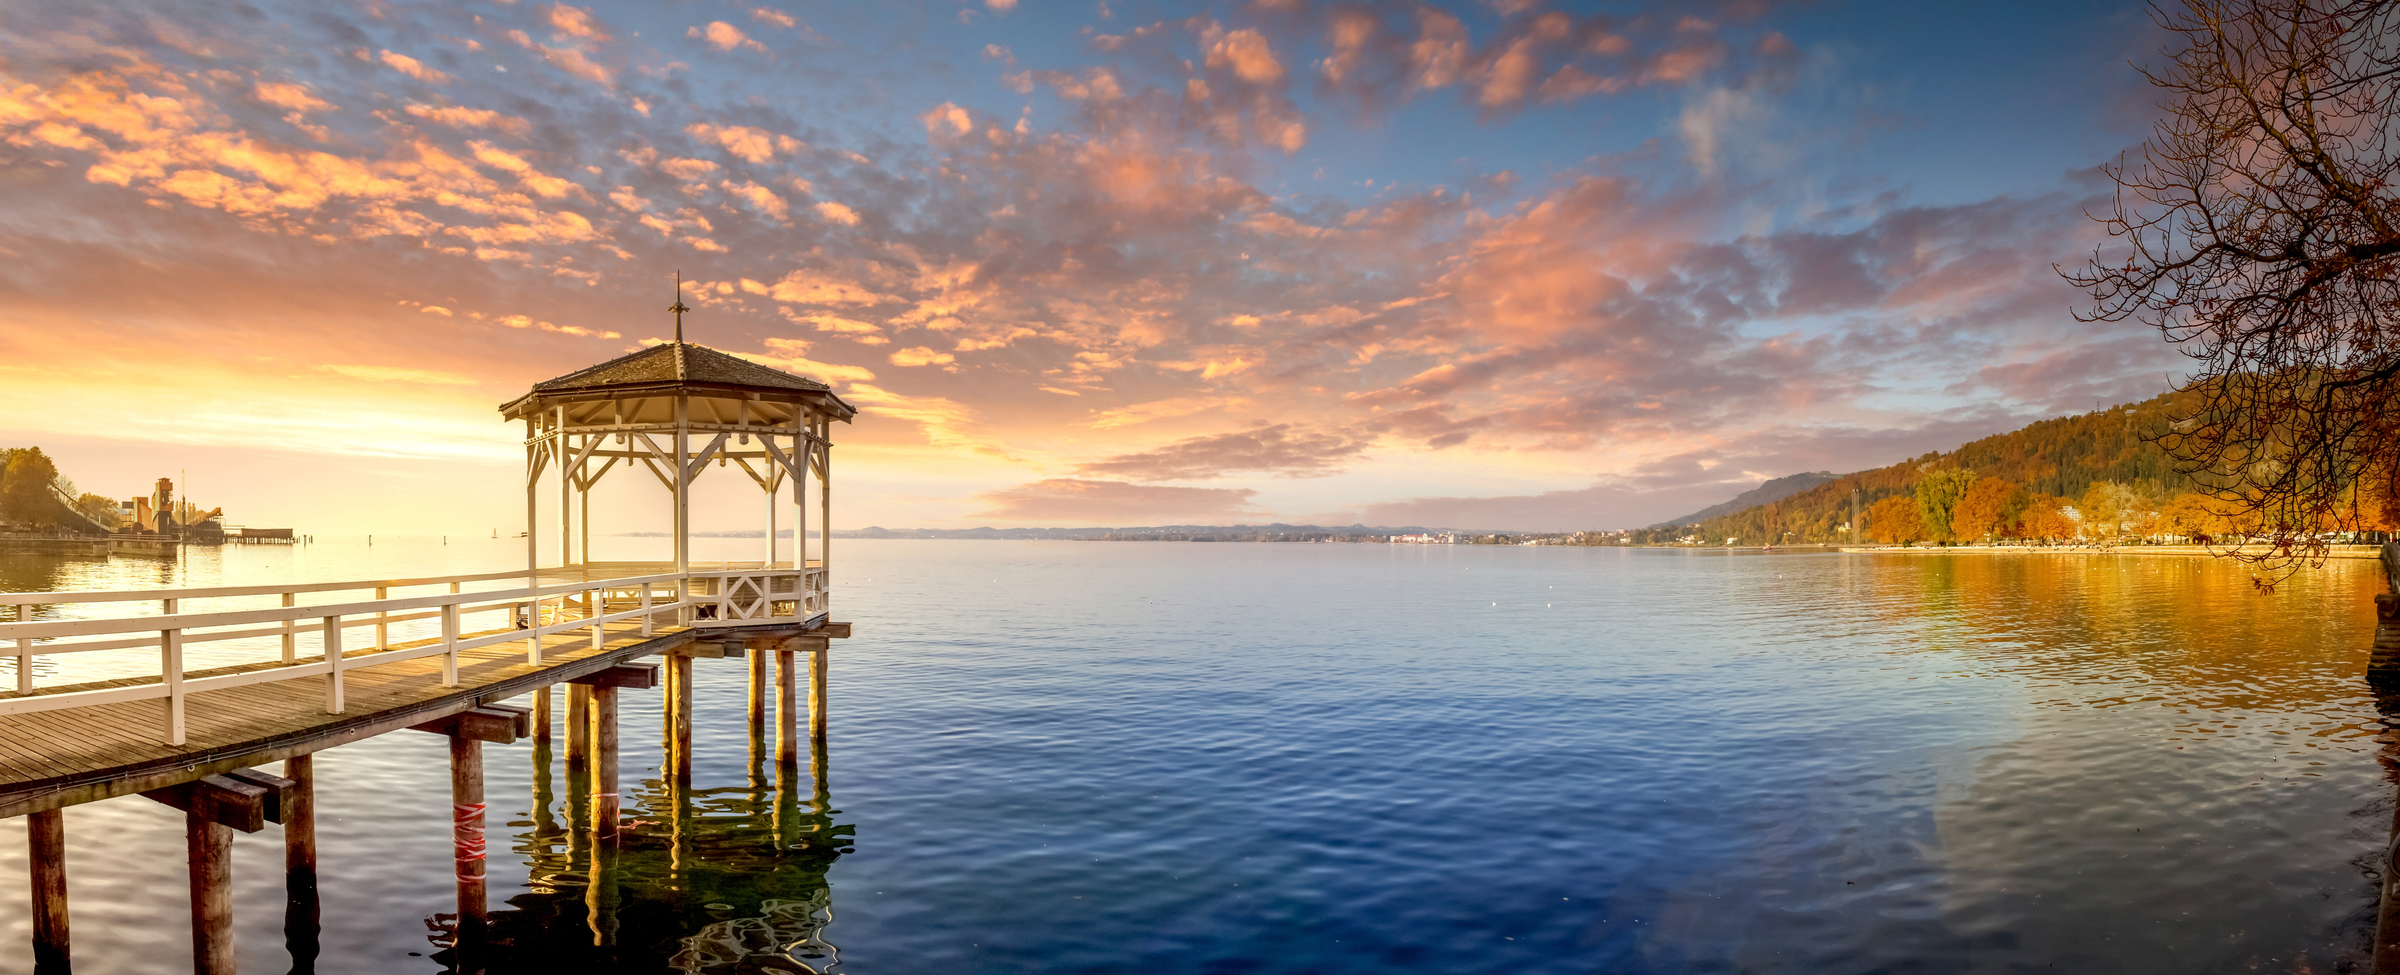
(678, 307)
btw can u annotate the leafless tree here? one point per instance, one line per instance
(2258, 229)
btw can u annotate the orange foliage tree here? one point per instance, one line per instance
(1894, 521)
(2191, 516)
(1984, 509)
(2044, 518)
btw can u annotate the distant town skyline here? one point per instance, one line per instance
(1488, 266)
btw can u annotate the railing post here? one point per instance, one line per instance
(333, 664)
(25, 652)
(291, 630)
(449, 644)
(534, 625)
(646, 620)
(383, 636)
(170, 670)
(595, 604)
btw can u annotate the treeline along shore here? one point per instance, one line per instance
(2093, 478)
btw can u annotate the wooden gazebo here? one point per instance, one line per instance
(673, 409)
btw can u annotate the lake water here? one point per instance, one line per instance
(1215, 758)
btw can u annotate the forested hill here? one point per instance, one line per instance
(2061, 457)
(1775, 490)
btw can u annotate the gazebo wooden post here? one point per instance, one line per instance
(800, 505)
(533, 544)
(683, 490)
(825, 504)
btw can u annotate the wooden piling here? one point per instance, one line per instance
(666, 721)
(787, 712)
(757, 714)
(466, 839)
(46, 832)
(818, 659)
(541, 718)
(679, 688)
(758, 689)
(579, 725)
(604, 763)
(302, 918)
(210, 848)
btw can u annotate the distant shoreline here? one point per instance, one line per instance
(2369, 552)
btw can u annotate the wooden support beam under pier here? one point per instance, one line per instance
(220, 799)
(499, 724)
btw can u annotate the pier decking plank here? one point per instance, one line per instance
(56, 758)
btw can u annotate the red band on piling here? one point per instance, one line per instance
(467, 823)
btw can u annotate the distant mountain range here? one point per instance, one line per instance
(1770, 491)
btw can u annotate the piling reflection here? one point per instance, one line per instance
(697, 880)
(2386, 951)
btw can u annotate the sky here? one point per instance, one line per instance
(1509, 265)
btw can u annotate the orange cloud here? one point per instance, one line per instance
(749, 144)
(921, 356)
(575, 22)
(725, 37)
(459, 117)
(413, 68)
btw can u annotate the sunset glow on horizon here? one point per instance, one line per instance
(1484, 266)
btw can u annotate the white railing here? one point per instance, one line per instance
(751, 597)
(719, 598)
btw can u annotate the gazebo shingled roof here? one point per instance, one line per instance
(682, 364)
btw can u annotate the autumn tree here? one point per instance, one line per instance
(1984, 508)
(99, 509)
(2109, 508)
(1938, 494)
(2259, 229)
(2189, 515)
(2046, 518)
(25, 489)
(1894, 521)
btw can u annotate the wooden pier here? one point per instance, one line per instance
(306, 667)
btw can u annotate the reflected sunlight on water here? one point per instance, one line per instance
(1151, 757)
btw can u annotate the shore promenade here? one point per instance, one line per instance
(2369, 552)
